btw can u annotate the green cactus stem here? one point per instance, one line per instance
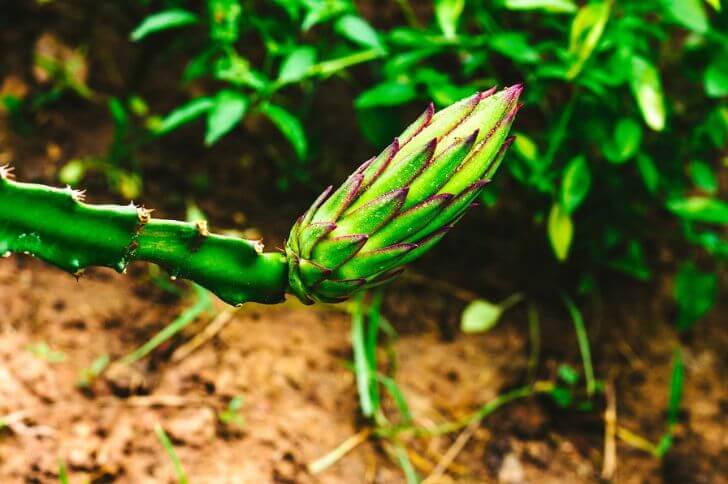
(56, 226)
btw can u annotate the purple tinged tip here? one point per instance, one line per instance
(471, 137)
(488, 93)
(443, 198)
(512, 113)
(404, 246)
(364, 165)
(516, 89)
(322, 198)
(429, 112)
(393, 148)
(385, 277)
(352, 237)
(474, 186)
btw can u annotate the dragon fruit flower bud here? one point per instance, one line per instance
(399, 204)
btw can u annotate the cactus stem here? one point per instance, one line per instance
(56, 226)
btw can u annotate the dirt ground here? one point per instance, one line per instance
(288, 364)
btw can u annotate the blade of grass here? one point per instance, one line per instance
(399, 399)
(480, 414)
(637, 441)
(204, 303)
(676, 389)
(404, 462)
(169, 448)
(583, 340)
(361, 365)
(534, 336)
(677, 381)
(62, 472)
(320, 465)
(372, 334)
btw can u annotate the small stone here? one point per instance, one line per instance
(126, 380)
(195, 427)
(511, 471)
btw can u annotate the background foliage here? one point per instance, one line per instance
(621, 144)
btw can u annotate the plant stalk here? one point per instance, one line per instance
(56, 226)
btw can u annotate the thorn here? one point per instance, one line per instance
(258, 246)
(6, 172)
(202, 229)
(76, 195)
(144, 215)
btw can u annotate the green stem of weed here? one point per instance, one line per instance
(169, 448)
(204, 303)
(583, 340)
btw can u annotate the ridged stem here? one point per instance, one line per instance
(56, 226)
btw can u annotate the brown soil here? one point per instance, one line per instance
(288, 363)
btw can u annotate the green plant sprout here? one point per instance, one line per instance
(393, 209)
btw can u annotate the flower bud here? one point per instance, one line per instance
(397, 205)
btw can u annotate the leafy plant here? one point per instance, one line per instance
(253, 87)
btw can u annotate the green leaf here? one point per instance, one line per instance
(716, 126)
(626, 143)
(296, 65)
(575, 183)
(700, 209)
(648, 171)
(289, 125)
(632, 262)
(551, 6)
(703, 176)
(225, 20)
(560, 230)
(322, 11)
(236, 70)
(716, 76)
(358, 31)
(647, 90)
(515, 46)
(715, 4)
(695, 293)
(689, 13)
(167, 19)
(568, 374)
(228, 110)
(184, 114)
(480, 316)
(586, 31)
(386, 94)
(525, 147)
(448, 13)
(72, 172)
(561, 396)
(677, 381)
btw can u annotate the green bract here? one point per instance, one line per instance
(397, 205)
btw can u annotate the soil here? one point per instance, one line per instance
(289, 363)
(299, 398)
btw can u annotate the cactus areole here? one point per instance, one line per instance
(390, 211)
